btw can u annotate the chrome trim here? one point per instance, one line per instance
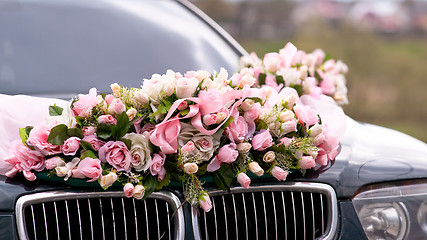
(325, 189)
(35, 198)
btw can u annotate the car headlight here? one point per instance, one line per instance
(393, 211)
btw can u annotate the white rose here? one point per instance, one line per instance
(269, 156)
(154, 86)
(315, 130)
(140, 150)
(244, 147)
(286, 115)
(141, 96)
(256, 169)
(116, 89)
(202, 75)
(139, 191)
(185, 87)
(108, 180)
(287, 95)
(204, 145)
(247, 80)
(290, 76)
(190, 168)
(131, 112)
(247, 104)
(220, 81)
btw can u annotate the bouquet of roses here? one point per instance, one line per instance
(312, 73)
(177, 127)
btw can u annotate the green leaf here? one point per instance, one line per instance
(228, 122)
(279, 79)
(164, 182)
(261, 78)
(261, 125)
(122, 126)
(24, 133)
(80, 120)
(150, 183)
(58, 134)
(298, 88)
(127, 142)
(75, 132)
(86, 145)
(88, 153)
(55, 110)
(224, 176)
(104, 130)
(327, 57)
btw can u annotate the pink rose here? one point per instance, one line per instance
(109, 98)
(128, 189)
(237, 130)
(211, 101)
(165, 135)
(306, 115)
(262, 140)
(88, 167)
(116, 107)
(306, 162)
(24, 160)
(108, 119)
(88, 130)
(244, 180)
(327, 85)
(157, 163)
(226, 153)
(322, 159)
(182, 106)
(52, 163)
(286, 141)
(279, 173)
(94, 141)
(70, 146)
(253, 113)
(84, 105)
(209, 119)
(205, 203)
(38, 138)
(116, 154)
(188, 147)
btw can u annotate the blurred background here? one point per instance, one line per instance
(383, 42)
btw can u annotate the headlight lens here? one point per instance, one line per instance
(397, 211)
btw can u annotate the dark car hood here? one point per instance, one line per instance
(369, 154)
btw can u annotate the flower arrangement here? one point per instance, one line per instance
(182, 127)
(312, 73)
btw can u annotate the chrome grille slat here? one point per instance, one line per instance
(281, 211)
(72, 215)
(68, 219)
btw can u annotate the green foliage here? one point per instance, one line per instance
(224, 176)
(24, 133)
(58, 134)
(104, 130)
(261, 78)
(122, 126)
(88, 153)
(55, 110)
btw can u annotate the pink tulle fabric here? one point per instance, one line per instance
(17, 112)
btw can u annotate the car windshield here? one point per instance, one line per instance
(59, 48)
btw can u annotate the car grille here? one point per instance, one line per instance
(289, 211)
(99, 215)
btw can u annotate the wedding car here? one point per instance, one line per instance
(376, 188)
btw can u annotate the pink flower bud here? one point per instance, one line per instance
(244, 180)
(306, 162)
(128, 189)
(209, 119)
(279, 173)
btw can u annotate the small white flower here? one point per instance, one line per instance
(108, 180)
(190, 168)
(286, 115)
(269, 157)
(116, 89)
(139, 191)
